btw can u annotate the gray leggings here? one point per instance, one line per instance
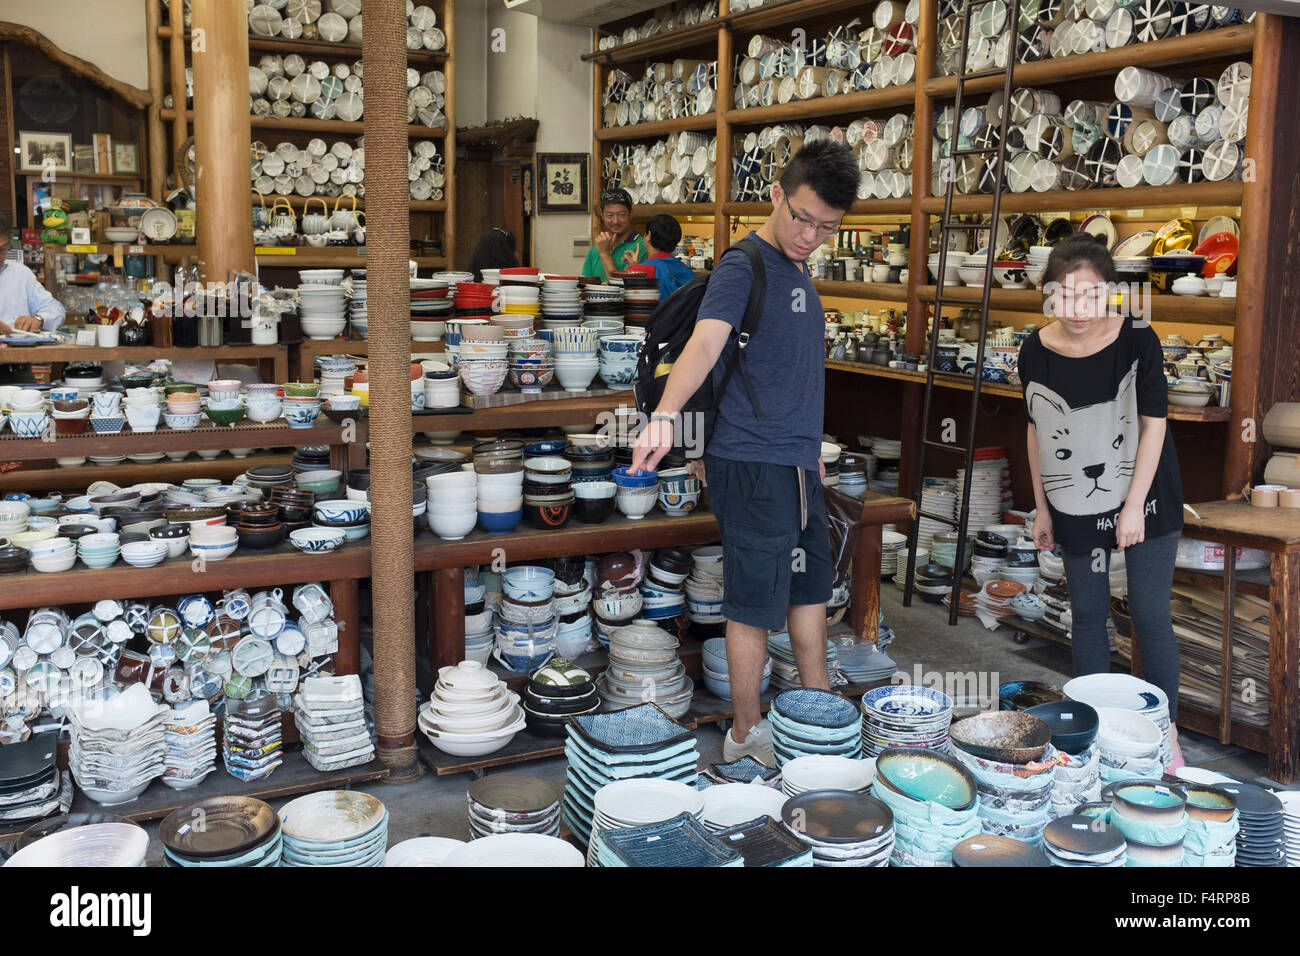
(1150, 570)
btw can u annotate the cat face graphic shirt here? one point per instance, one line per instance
(1087, 414)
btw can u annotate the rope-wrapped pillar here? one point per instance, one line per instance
(392, 562)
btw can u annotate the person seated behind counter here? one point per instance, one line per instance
(617, 247)
(25, 304)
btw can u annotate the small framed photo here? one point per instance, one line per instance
(125, 160)
(39, 152)
(562, 182)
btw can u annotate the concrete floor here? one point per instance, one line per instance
(435, 806)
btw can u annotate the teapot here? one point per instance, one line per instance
(314, 223)
(344, 219)
(283, 221)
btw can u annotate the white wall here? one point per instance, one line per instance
(512, 74)
(471, 65)
(108, 33)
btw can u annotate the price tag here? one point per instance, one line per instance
(81, 250)
(276, 251)
(135, 250)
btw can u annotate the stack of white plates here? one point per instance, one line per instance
(516, 849)
(96, 844)
(321, 310)
(827, 772)
(900, 573)
(334, 828)
(513, 803)
(843, 829)
(422, 851)
(886, 449)
(190, 733)
(731, 804)
(1129, 693)
(117, 745)
(638, 743)
(357, 304)
(454, 278)
(905, 716)
(936, 499)
(644, 666)
(634, 803)
(891, 542)
(330, 714)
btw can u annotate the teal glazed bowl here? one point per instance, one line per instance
(927, 776)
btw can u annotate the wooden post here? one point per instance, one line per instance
(865, 609)
(448, 617)
(157, 132)
(221, 137)
(449, 144)
(176, 70)
(347, 612)
(722, 168)
(1283, 666)
(1225, 660)
(392, 560)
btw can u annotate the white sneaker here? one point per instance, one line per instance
(758, 744)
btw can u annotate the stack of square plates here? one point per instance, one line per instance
(810, 721)
(765, 842)
(250, 745)
(746, 770)
(905, 716)
(865, 663)
(334, 828)
(117, 745)
(637, 802)
(31, 786)
(638, 743)
(680, 841)
(330, 714)
(841, 828)
(189, 732)
(785, 673)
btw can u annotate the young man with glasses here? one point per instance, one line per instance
(618, 246)
(25, 304)
(763, 460)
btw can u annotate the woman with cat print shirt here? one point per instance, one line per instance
(1104, 468)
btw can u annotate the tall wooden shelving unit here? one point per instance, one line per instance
(169, 55)
(1222, 463)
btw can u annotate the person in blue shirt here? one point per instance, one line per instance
(663, 233)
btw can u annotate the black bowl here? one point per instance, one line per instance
(1073, 724)
(548, 517)
(12, 558)
(130, 536)
(262, 538)
(166, 531)
(75, 531)
(549, 728)
(558, 706)
(672, 560)
(992, 539)
(359, 479)
(935, 574)
(593, 510)
(568, 568)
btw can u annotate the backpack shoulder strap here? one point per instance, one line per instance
(748, 325)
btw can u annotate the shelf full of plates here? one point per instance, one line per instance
(1136, 119)
(306, 109)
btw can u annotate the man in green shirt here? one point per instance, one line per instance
(619, 246)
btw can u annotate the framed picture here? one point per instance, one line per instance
(562, 182)
(124, 159)
(40, 151)
(83, 158)
(103, 152)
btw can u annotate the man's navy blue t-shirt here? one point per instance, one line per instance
(786, 360)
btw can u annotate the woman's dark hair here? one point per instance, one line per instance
(829, 168)
(1077, 251)
(496, 250)
(664, 231)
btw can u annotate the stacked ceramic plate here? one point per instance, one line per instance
(638, 743)
(31, 786)
(730, 804)
(643, 666)
(190, 733)
(1127, 692)
(1077, 840)
(990, 486)
(513, 803)
(827, 772)
(810, 721)
(1291, 822)
(251, 732)
(533, 850)
(222, 831)
(97, 844)
(330, 713)
(1262, 825)
(905, 716)
(333, 371)
(766, 842)
(471, 713)
(680, 841)
(623, 804)
(745, 770)
(321, 310)
(117, 745)
(785, 672)
(990, 850)
(935, 803)
(865, 663)
(890, 543)
(936, 499)
(334, 828)
(423, 851)
(357, 303)
(841, 828)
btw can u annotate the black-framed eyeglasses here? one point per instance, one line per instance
(805, 224)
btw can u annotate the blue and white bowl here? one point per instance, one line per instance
(528, 583)
(29, 424)
(341, 511)
(622, 345)
(302, 414)
(211, 552)
(317, 540)
(644, 479)
(181, 423)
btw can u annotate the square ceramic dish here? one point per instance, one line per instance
(681, 841)
(642, 729)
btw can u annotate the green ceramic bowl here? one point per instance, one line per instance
(225, 416)
(302, 389)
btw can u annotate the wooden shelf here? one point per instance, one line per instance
(538, 413)
(859, 101)
(1139, 197)
(965, 383)
(310, 348)
(297, 202)
(673, 42)
(320, 48)
(129, 472)
(205, 436)
(312, 257)
(881, 291)
(657, 128)
(306, 124)
(110, 178)
(1192, 50)
(788, 12)
(281, 565)
(863, 207)
(141, 353)
(646, 210)
(1164, 308)
(128, 248)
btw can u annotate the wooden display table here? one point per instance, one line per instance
(1277, 531)
(878, 509)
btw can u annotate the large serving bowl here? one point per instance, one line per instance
(1149, 801)
(317, 540)
(1006, 736)
(1073, 724)
(926, 776)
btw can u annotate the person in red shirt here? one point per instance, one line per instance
(662, 235)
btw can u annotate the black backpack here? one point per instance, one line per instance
(668, 330)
